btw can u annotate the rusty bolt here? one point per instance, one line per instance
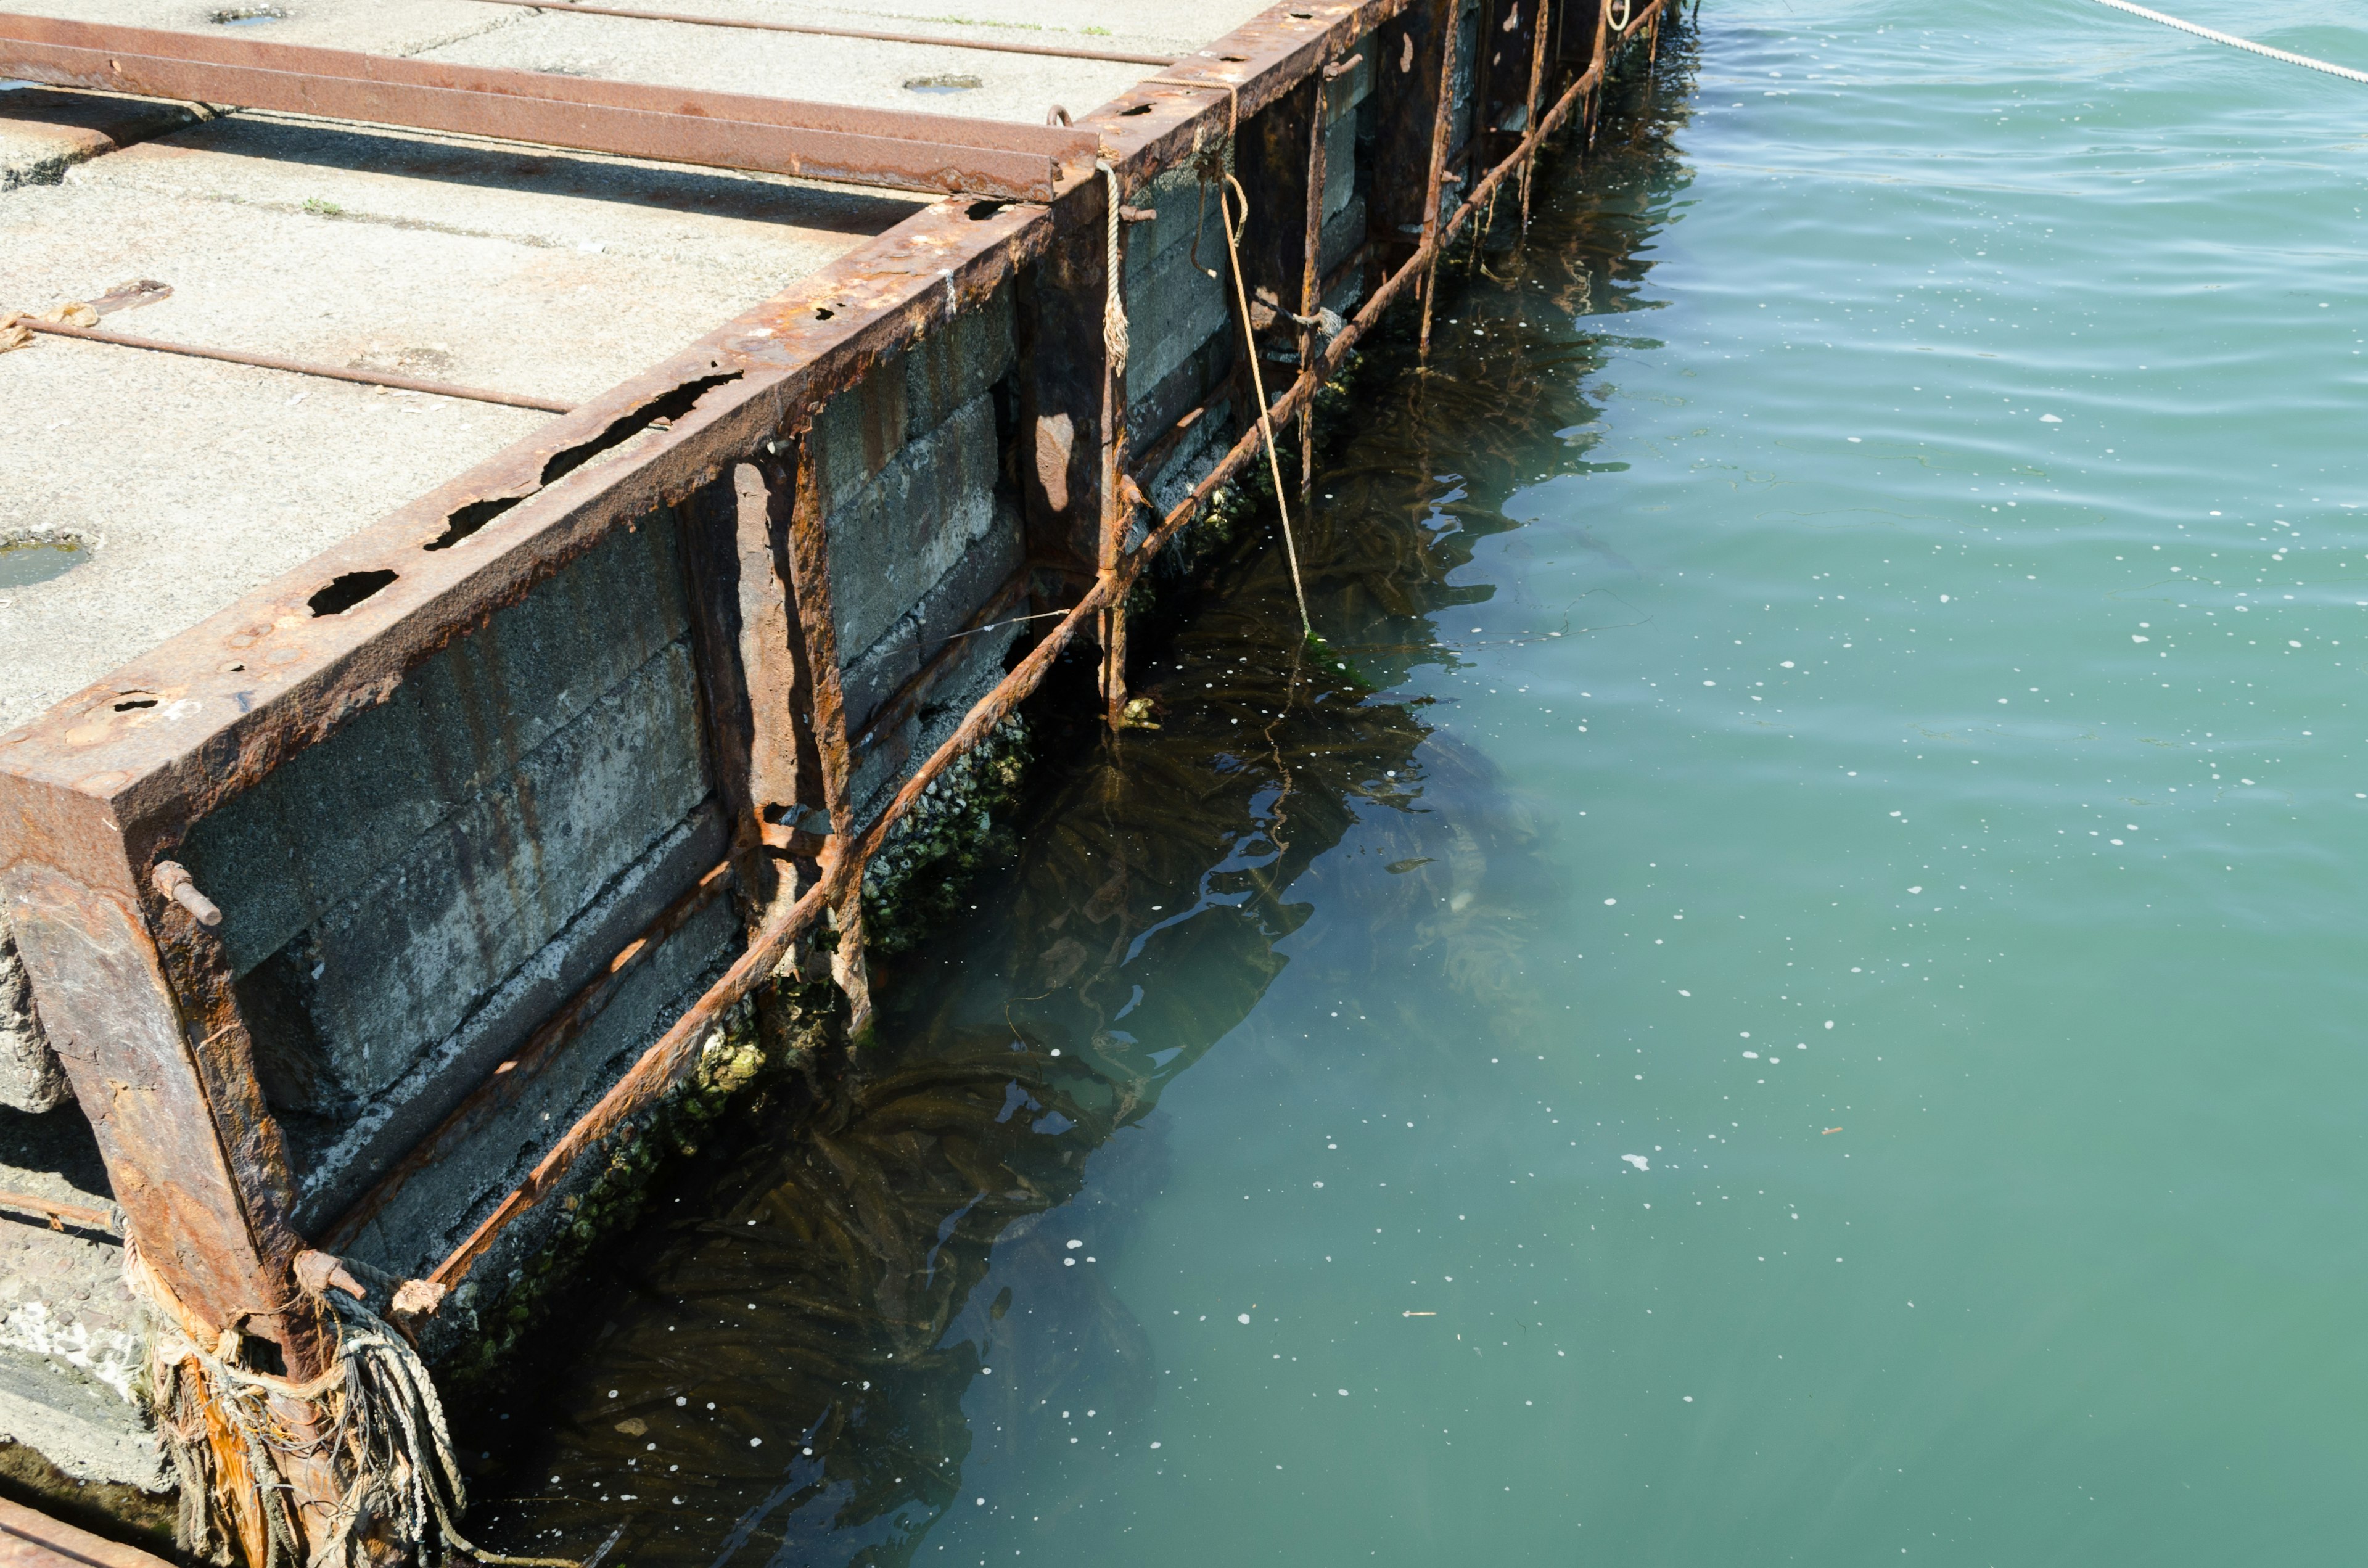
(1340, 68)
(319, 1273)
(1138, 214)
(172, 880)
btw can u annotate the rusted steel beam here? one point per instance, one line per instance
(903, 151)
(194, 1158)
(294, 367)
(1441, 128)
(568, 7)
(59, 1215)
(1311, 273)
(509, 1082)
(29, 1538)
(809, 557)
(734, 537)
(1541, 35)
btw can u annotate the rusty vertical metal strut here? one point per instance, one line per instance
(1601, 64)
(826, 712)
(1530, 111)
(1311, 272)
(1442, 122)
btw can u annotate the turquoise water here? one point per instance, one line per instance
(1798, 998)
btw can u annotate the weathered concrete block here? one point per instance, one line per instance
(1173, 306)
(882, 765)
(909, 396)
(894, 538)
(333, 1174)
(922, 632)
(437, 1211)
(31, 1079)
(43, 133)
(280, 856)
(479, 893)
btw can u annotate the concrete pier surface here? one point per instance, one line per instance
(437, 761)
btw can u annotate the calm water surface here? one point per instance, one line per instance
(1797, 1001)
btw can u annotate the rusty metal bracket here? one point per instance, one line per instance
(900, 149)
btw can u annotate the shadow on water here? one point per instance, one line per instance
(889, 1303)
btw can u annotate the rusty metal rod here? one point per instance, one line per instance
(508, 1082)
(670, 1061)
(1440, 126)
(663, 1066)
(59, 1215)
(296, 367)
(931, 38)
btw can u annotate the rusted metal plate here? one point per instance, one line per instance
(911, 151)
(29, 1538)
(184, 1159)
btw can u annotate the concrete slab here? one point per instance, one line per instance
(70, 1339)
(920, 79)
(556, 275)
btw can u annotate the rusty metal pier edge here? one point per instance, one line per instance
(136, 991)
(838, 891)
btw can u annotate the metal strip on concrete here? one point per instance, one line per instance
(29, 1538)
(903, 151)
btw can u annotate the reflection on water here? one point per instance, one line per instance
(898, 1306)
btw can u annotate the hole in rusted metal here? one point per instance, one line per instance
(943, 84)
(1233, 59)
(660, 414)
(129, 703)
(232, 669)
(23, 561)
(823, 312)
(672, 406)
(470, 519)
(980, 211)
(347, 590)
(1139, 109)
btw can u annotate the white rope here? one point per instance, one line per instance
(2234, 42)
(1113, 306)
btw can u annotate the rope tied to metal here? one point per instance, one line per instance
(232, 1432)
(1114, 341)
(2233, 41)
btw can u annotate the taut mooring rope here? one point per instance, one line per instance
(1258, 384)
(2233, 41)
